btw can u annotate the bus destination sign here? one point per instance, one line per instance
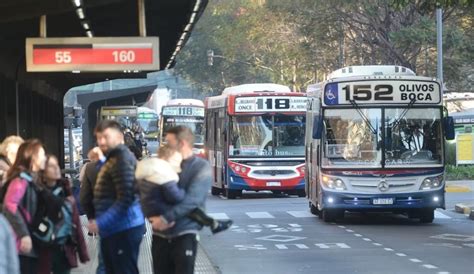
(270, 104)
(92, 54)
(183, 111)
(382, 92)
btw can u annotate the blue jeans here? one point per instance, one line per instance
(100, 265)
(120, 251)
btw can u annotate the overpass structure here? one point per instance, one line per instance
(31, 103)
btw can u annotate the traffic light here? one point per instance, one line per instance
(210, 57)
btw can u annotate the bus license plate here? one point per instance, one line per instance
(383, 201)
(273, 184)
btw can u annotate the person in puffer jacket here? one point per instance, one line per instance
(158, 185)
(118, 218)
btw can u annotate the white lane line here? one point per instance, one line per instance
(429, 266)
(341, 226)
(439, 215)
(401, 254)
(367, 239)
(301, 214)
(444, 272)
(259, 215)
(377, 244)
(348, 230)
(219, 216)
(415, 260)
(357, 235)
(388, 249)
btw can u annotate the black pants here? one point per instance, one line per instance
(28, 265)
(120, 251)
(175, 256)
(201, 217)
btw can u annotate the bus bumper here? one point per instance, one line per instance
(368, 202)
(239, 183)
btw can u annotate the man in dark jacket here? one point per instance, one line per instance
(118, 217)
(175, 234)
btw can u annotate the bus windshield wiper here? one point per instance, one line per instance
(405, 111)
(362, 115)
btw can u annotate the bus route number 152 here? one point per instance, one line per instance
(365, 92)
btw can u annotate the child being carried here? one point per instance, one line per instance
(159, 191)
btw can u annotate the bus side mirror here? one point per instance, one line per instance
(317, 127)
(449, 128)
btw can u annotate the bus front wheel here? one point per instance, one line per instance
(427, 216)
(232, 193)
(329, 215)
(314, 209)
(215, 191)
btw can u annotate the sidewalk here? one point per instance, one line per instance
(463, 186)
(203, 262)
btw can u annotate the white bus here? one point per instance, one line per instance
(255, 139)
(184, 112)
(375, 142)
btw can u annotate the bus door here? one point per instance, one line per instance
(211, 137)
(220, 144)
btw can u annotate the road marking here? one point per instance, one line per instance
(280, 238)
(357, 235)
(250, 247)
(377, 244)
(430, 266)
(388, 249)
(341, 226)
(301, 214)
(285, 246)
(367, 239)
(294, 225)
(444, 272)
(454, 237)
(350, 231)
(219, 216)
(415, 260)
(439, 215)
(401, 254)
(259, 215)
(332, 245)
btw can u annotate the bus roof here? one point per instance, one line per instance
(253, 88)
(377, 70)
(185, 102)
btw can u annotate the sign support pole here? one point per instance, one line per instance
(141, 18)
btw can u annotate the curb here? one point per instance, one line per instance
(464, 209)
(457, 189)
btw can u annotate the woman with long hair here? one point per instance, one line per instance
(8, 150)
(62, 258)
(20, 201)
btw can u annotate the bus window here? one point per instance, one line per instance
(289, 135)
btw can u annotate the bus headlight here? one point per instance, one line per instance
(333, 183)
(432, 182)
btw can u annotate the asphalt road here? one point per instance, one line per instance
(277, 234)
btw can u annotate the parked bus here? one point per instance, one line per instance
(184, 112)
(255, 139)
(375, 142)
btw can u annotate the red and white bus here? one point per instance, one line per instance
(255, 139)
(184, 112)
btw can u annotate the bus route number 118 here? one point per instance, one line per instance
(273, 103)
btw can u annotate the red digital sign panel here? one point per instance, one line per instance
(92, 54)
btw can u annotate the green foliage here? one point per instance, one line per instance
(300, 41)
(459, 172)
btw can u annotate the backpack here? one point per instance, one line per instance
(56, 226)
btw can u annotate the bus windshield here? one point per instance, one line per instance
(196, 124)
(412, 136)
(267, 135)
(350, 140)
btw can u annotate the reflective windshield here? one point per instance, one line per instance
(196, 124)
(254, 135)
(351, 140)
(413, 138)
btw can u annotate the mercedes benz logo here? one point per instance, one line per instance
(383, 186)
